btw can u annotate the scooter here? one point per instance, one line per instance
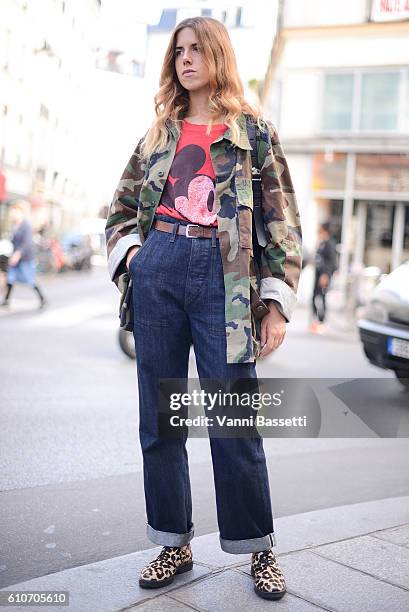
(126, 342)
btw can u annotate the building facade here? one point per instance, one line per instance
(47, 60)
(339, 96)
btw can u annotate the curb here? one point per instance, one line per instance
(112, 585)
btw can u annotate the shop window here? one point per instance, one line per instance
(378, 235)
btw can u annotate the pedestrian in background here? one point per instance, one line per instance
(325, 266)
(21, 265)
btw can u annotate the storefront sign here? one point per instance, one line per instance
(389, 10)
(382, 173)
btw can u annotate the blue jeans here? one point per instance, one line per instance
(178, 300)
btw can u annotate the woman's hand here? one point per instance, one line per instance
(273, 329)
(131, 252)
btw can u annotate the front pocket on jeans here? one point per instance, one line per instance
(132, 258)
(149, 302)
(142, 249)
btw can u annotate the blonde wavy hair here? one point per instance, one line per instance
(226, 98)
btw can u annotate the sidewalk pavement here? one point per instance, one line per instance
(349, 558)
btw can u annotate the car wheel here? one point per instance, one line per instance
(403, 377)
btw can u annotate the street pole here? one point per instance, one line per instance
(347, 211)
(276, 50)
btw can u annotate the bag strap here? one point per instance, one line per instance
(259, 234)
(258, 307)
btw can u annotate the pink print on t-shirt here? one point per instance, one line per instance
(189, 190)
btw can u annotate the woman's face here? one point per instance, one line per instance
(191, 69)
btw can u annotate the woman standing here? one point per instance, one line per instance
(21, 265)
(179, 243)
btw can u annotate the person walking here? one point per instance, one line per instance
(325, 266)
(21, 264)
(180, 250)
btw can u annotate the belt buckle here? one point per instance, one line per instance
(187, 229)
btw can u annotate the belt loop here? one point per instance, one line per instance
(214, 230)
(174, 230)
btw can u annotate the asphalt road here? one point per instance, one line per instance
(70, 465)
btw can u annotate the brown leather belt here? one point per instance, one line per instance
(257, 305)
(190, 230)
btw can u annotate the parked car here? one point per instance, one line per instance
(77, 250)
(384, 326)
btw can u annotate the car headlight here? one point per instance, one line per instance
(375, 311)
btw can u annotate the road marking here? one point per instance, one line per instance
(67, 316)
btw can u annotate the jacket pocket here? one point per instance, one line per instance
(244, 196)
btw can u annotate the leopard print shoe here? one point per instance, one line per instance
(161, 571)
(269, 581)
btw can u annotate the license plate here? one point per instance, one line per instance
(398, 347)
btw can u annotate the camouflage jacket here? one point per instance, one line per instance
(138, 194)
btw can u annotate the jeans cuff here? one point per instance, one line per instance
(237, 547)
(167, 538)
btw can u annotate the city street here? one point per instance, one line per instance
(112, 117)
(70, 464)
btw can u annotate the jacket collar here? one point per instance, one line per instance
(243, 142)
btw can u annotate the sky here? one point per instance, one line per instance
(122, 22)
(150, 13)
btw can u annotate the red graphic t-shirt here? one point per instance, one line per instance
(189, 192)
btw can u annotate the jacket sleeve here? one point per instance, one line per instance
(281, 258)
(121, 229)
